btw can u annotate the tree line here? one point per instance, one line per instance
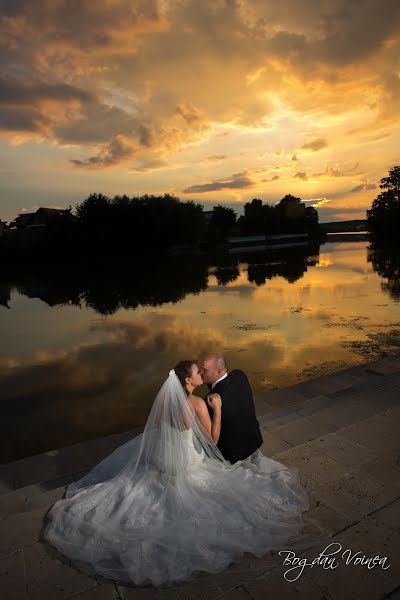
(152, 281)
(123, 225)
(101, 226)
(168, 220)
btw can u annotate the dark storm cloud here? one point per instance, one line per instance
(74, 116)
(337, 33)
(15, 93)
(11, 8)
(97, 124)
(24, 104)
(354, 30)
(22, 120)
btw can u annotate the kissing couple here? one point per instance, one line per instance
(192, 493)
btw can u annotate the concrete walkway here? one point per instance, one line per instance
(342, 433)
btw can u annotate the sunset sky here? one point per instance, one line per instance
(216, 101)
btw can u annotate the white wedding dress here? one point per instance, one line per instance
(160, 518)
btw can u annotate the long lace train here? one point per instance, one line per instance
(149, 527)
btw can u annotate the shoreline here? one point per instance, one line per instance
(302, 391)
(306, 376)
(340, 431)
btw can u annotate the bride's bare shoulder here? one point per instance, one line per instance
(195, 400)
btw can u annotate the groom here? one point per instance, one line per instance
(240, 432)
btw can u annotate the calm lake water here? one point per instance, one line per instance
(83, 350)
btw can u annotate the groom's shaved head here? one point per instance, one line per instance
(217, 358)
(213, 366)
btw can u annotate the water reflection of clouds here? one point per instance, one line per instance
(92, 389)
(244, 290)
(321, 315)
(31, 325)
(71, 374)
(347, 248)
(324, 262)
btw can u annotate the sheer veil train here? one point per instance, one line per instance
(167, 504)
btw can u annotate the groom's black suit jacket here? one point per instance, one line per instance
(240, 432)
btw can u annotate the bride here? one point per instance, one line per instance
(166, 503)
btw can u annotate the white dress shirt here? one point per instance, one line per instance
(218, 380)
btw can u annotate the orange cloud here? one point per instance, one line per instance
(158, 85)
(119, 149)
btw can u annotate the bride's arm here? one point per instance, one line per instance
(213, 428)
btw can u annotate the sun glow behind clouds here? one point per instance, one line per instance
(316, 202)
(139, 107)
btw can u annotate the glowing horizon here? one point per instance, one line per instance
(216, 102)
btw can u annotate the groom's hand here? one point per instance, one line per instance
(214, 401)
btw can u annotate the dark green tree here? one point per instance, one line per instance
(253, 220)
(124, 225)
(383, 218)
(289, 215)
(95, 209)
(224, 218)
(311, 215)
(288, 199)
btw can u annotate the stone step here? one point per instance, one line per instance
(40, 480)
(58, 464)
(324, 415)
(281, 431)
(355, 380)
(33, 497)
(21, 530)
(39, 497)
(277, 411)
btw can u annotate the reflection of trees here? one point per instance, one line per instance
(107, 288)
(226, 274)
(5, 294)
(385, 259)
(259, 273)
(290, 263)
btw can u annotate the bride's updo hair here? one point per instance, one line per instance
(182, 370)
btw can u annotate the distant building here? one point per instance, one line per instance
(21, 221)
(43, 217)
(3, 227)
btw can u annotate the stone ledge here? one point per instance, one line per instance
(351, 475)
